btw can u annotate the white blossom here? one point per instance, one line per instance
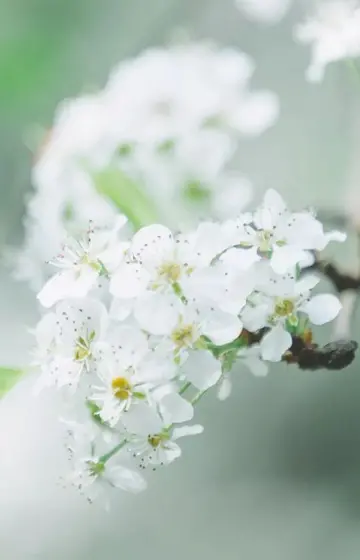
(266, 11)
(168, 123)
(333, 32)
(279, 308)
(278, 234)
(176, 315)
(92, 474)
(82, 262)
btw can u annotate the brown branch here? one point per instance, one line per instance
(310, 356)
(342, 282)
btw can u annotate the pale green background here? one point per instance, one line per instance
(277, 472)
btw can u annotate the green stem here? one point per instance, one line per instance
(184, 388)
(107, 456)
(8, 378)
(127, 196)
(197, 397)
(354, 68)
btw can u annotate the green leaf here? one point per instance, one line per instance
(8, 378)
(127, 196)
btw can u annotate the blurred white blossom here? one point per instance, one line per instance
(166, 124)
(333, 33)
(267, 11)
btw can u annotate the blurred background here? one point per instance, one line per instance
(277, 471)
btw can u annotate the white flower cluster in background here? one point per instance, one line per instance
(266, 11)
(166, 124)
(139, 329)
(334, 34)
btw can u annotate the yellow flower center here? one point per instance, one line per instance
(157, 439)
(183, 336)
(170, 271)
(121, 388)
(265, 238)
(284, 307)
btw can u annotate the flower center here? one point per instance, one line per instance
(170, 271)
(265, 238)
(284, 307)
(183, 336)
(156, 440)
(96, 468)
(92, 264)
(82, 349)
(121, 388)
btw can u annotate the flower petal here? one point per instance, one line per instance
(284, 258)
(275, 343)
(184, 431)
(225, 388)
(157, 313)
(152, 245)
(129, 281)
(322, 308)
(126, 479)
(202, 369)
(221, 327)
(176, 409)
(68, 284)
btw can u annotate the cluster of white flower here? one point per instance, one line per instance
(166, 126)
(140, 329)
(267, 11)
(334, 32)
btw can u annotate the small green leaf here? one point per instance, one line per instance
(127, 196)
(8, 378)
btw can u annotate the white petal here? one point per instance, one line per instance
(221, 327)
(175, 409)
(68, 284)
(120, 309)
(275, 343)
(225, 389)
(184, 431)
(328, 237)
(152, 245)
(157, 313)
(322, 308)
(156, 367)
(263, 219)
(129, 345)
(256, 366)
(80, 317)
(240, 259)
(285, 258)
(126, 479)
(308, 282)
(129, 281)
(142, 420)
(202, 369)
(45, 330)
(255, 318)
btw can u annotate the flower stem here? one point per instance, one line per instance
(127, 196)
(197, 397)
(107, 456)
(184, 388)
(354, 68)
